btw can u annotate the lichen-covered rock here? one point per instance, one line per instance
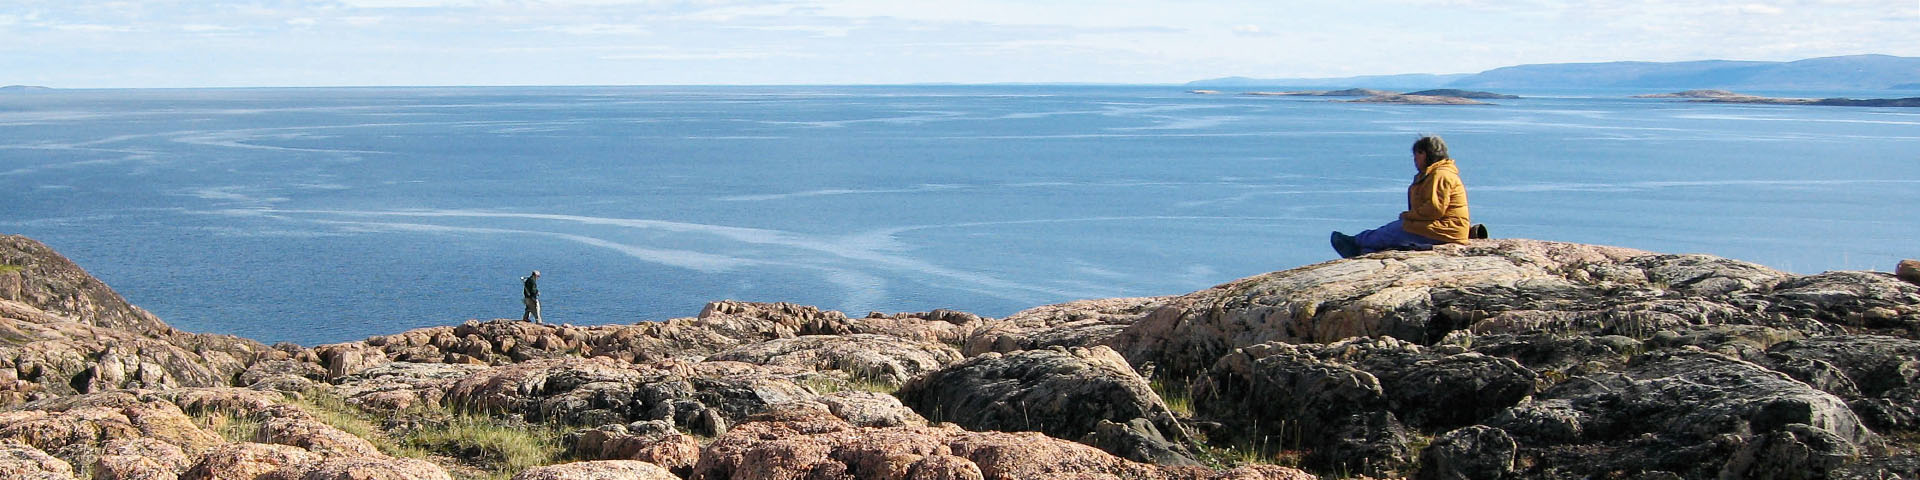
(82, 428)
(396, 386)
(247, 461)
(1878, 376)
(1477, 452)
(876, 358)
(1062, 392)
(1509, 286)
(704, 397)
(870, 409)
(1679, 411)
(654, 442)
(1083, 323)
(24, 462)
(140, 458)
(1350, 402)
(361, 468)
(598, 470)
(799, 444)
(65, 332)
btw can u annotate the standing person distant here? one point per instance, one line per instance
(530, 287)
(1436, 208)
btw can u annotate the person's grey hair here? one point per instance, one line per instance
(1432, 146)
(535, 273)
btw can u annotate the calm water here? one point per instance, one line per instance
(326, 215)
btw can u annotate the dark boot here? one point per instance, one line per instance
(1478, 231)
(1344, 245)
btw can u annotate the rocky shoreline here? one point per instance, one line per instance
(1499, 359)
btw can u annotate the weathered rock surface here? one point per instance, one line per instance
(1687, 412)
(1498, 359)
(1065, 393)
(869, 357)
(1509, 286)
(1351, 401)
(598, 470)
(1908, 270)
(1083, 323)
(799, 444)
(63, 332)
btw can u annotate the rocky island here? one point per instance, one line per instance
(1498, 359)
(1424, 97)
(1723, 96)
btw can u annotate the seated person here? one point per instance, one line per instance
(1436, 209)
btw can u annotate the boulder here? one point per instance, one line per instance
(1062, 392)
(24, 462)
(598, 470)
(1350, 403)
(870, 409)
(1685, 411)
(1878, 376)
(247, 461)
(654, 442)
(1477, 452)
(1908, 270)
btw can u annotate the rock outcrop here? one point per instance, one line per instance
(1064, 393)
(1497, 359)
(62, 332)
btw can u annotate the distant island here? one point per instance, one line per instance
(1351, 92)
(1411, 99)
(1723, 96)
(1423, 97)
(23, 88)
(1854, 72)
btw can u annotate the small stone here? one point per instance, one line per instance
(1909, 270)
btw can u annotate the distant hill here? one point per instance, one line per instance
(23, 88)
(1854, 72)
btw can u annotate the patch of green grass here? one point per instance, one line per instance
(5, 269)
(335, 411)
(823, 385)
(474, 443)
(498, 449)
(230, 425)
(1230, 456)
(1178, 395)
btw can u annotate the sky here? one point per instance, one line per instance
(254, 43)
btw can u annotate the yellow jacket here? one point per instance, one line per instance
(1437, 204)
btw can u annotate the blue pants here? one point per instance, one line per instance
(1391, 237)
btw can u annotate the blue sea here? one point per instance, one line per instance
(327, 215)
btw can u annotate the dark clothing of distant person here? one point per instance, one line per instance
(530, 288)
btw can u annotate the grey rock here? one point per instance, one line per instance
(1683, 411)
(1309, 391)
(875, 358)
(1477, 452)
(1065, 393)
(1138, 439)
(1878, 375)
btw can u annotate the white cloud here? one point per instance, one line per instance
(595, 29)
(1249, 30)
